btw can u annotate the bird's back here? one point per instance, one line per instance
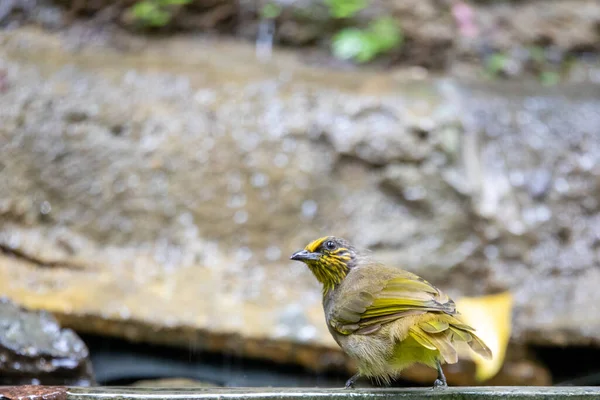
(366, 284)
(392, 308)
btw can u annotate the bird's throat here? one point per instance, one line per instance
(330, 274)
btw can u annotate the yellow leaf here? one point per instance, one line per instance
(491, 316)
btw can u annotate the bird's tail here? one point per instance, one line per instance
(465, 333)
(443, 332)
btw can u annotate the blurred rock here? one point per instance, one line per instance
(156, 195)
(35, 350)
(33, 392)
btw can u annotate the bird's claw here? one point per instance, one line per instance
(438, 383)
(350, 382)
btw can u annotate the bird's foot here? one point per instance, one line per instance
(438, 384)
(350, 382)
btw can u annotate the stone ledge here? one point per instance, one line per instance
(456, 393)
(530, 392)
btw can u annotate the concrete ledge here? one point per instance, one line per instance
(574, 392)
(454, 393)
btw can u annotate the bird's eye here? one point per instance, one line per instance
(330, 245)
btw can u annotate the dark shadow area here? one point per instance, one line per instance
(571, 366)
(118, 362)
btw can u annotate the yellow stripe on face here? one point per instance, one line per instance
(314, 245)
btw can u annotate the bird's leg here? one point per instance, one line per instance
(350, 382)
(441, 379)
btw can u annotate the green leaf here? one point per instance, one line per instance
(167, 3)
(537, 54)
(382, 35)
(496, 63)
(144, 8)
(150, 13)
(270, 11)
(345, 8)
(155, 12)
(549, 78)
(387, 33)
(352, 43)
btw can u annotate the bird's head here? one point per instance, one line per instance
(329, 258)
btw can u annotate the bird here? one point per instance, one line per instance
(383, 317)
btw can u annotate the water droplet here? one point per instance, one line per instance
(517, 178)
(45, 208)
(236, 201)
(309, 208)
(204, 97)
(307, 333)
(561, 185)
(124, 313)
(243, 254)
(234, 182)
(119, 186)
(590, 203)
(208, 143)
(273, 253)
(289, 145)
(282, 330)
(185, 218)
(491, 252)
(543, 213)
(414, 193)
(539, 183)
(516, 227)
(240, 217)
(586, 162)
(259, 180)
(301, 182)
(280, 160)
(307, 165)
(529, 216)
(133, 180)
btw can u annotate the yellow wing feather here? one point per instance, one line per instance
(404, 294)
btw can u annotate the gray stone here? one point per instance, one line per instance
(156, 195)
(454, 393)
(34, 349)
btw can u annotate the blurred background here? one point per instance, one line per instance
(161, 159)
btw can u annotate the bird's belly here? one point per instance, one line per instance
(372, 353)
(383, 357)
(409, 351)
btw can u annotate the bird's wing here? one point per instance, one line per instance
(368, 304)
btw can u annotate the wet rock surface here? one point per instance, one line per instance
(156, 197)
(454, 393)
(33, 392)
(35, 350)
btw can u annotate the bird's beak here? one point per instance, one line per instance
(304, 255)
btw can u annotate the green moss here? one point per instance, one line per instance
(363, 45)
(155, 13)
(270, 11)
(345, 8)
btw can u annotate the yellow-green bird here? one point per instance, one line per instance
(384, 318)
